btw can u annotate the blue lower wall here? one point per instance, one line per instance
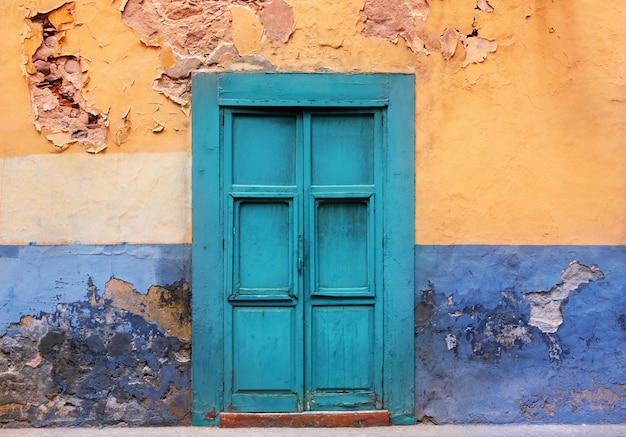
(480, 359)
(502, 334)
(95, 335)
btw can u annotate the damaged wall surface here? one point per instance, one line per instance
(520, 221)
(488, 350)
(91, 349)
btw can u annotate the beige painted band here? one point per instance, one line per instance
(82, 198)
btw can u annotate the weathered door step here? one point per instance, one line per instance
(315, 419)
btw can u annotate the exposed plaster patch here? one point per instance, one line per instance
(192, 28)
(393, 19)
(546, 306)
(598, 399)
(538, 408)
(177, 90)
(476, 49)
(484, 6)
(541, 406)
(451, 342)
(198, 35)
(502, 328)
(449, 40)
(278, 21)
(55, 81)
(424, 311)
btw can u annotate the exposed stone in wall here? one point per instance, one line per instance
(94, 363)
(55, 80)
(546, 306)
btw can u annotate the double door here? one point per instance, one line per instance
(301, 196)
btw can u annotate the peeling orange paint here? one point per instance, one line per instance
(476, 49)
(137, 54)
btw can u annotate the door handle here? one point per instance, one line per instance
(300, 254)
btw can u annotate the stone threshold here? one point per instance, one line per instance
(313, 419)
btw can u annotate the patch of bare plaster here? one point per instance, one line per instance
(197, 35)
(55, 81)
(484, 6)
(449, 41)
(598, 399)
(546, 306)
(394, 19)
(191, 27)
(507, 334)
(278, 21)
(175, 81)
(476, 49)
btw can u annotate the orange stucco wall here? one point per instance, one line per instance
(519, 113)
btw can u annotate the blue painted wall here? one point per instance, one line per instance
(35, 279)
(478, 357)
(82, 338)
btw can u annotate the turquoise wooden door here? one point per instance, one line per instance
(302, 319)
(302, 271)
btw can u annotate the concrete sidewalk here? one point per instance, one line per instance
(389, 431)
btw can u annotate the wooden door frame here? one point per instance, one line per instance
(213, 91)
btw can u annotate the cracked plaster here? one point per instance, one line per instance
(189, 36)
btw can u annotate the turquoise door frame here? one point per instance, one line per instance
(213, 93)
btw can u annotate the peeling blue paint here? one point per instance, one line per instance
(35, 279)
(502, 369)
(478, 357)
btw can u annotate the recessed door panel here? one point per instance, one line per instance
(342, 149)
(342, 349)
(343, 252)
(263, 347)
(263, 149)
(265, 366)
(262, 255)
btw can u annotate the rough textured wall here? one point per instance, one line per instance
(519, 122)
(90, 349)
(520, 334)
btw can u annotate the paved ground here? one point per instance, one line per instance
(390, 431)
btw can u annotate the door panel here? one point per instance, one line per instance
(343, 253)
(263, 347)
(263, 235)
(265, 366)
(342, 148)
(342, 344)
(263, 149)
